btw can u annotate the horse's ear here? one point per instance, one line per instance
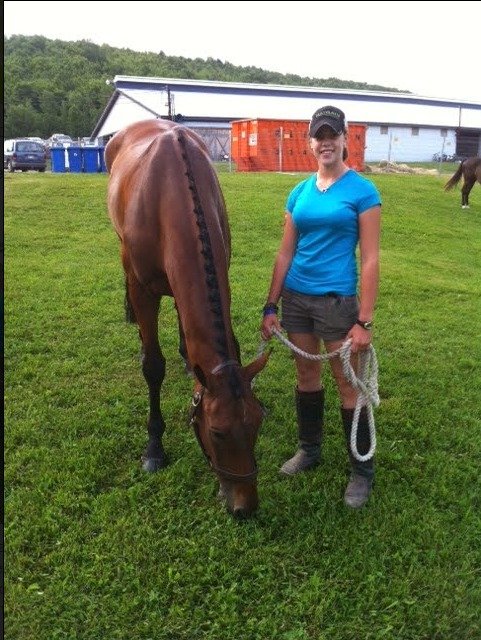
(252, 369)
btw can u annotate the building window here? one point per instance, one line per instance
(384, 130)
(415, 131)
(444, 133)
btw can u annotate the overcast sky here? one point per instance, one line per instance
(430, 49)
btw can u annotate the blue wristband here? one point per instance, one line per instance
(270, 309)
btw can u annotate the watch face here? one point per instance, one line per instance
(365, 325)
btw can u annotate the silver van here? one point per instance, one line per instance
(24, 154)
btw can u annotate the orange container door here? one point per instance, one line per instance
(235, 141)
(356, 145)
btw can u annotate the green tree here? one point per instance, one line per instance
(55, 86)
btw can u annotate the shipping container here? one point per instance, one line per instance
(283, 145)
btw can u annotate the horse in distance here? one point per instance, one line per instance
(167, 208)
(470, 171)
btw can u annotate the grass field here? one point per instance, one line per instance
(97, 550)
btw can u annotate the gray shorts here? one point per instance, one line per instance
(329, 317)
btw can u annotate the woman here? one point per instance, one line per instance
(315, 275)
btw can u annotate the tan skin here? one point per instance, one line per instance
(328, 149)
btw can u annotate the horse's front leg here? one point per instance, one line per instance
(153, 368)
(146, 309)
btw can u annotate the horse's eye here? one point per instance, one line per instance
(217, 434)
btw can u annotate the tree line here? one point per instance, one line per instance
(56, 86)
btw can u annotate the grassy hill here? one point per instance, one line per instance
(56, 86)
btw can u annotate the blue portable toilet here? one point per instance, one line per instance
(75, 159)
(91, 159)
(57, 156)
(102, 166)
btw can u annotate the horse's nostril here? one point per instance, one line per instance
(240, 513)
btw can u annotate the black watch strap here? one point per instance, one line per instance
(365, 324)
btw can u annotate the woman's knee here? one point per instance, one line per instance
(308, 375)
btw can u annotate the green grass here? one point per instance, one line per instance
(97, 550)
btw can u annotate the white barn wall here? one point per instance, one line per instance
(400, 145)
(130, 108)
(470, 117)
(208, 103)
(125, 113)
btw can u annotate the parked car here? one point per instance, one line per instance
(86, 141)
(36, 139)
(59, 140)
(24, 154)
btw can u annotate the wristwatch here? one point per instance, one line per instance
(364, 324)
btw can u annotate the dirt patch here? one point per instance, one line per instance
(392, 167)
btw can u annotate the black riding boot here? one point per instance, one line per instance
(310, 417)
(361, 480)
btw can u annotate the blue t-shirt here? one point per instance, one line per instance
(327, 225)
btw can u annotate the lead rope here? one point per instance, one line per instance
(366, 384)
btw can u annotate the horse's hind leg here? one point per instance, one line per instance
(146, 309)
(465, 191)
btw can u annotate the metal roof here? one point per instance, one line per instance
(136, 98)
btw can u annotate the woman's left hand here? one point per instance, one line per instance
(361, 338)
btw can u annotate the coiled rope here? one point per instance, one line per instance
(366, 384)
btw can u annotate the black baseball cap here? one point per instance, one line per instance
(330, 116)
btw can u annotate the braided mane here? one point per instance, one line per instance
(211, 280)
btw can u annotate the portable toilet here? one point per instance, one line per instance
(75, 159)
(102, 167)
(57, 157)
(90, 159)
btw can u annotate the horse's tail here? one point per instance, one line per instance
(452, 182)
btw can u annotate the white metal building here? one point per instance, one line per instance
(400, 127)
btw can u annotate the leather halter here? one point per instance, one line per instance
(194, 411)
(222, 365)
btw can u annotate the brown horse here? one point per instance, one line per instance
(167, 207)
(470, 170)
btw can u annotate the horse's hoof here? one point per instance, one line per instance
(151, 465)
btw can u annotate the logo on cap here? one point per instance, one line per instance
(330, 116)
(329, 113)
